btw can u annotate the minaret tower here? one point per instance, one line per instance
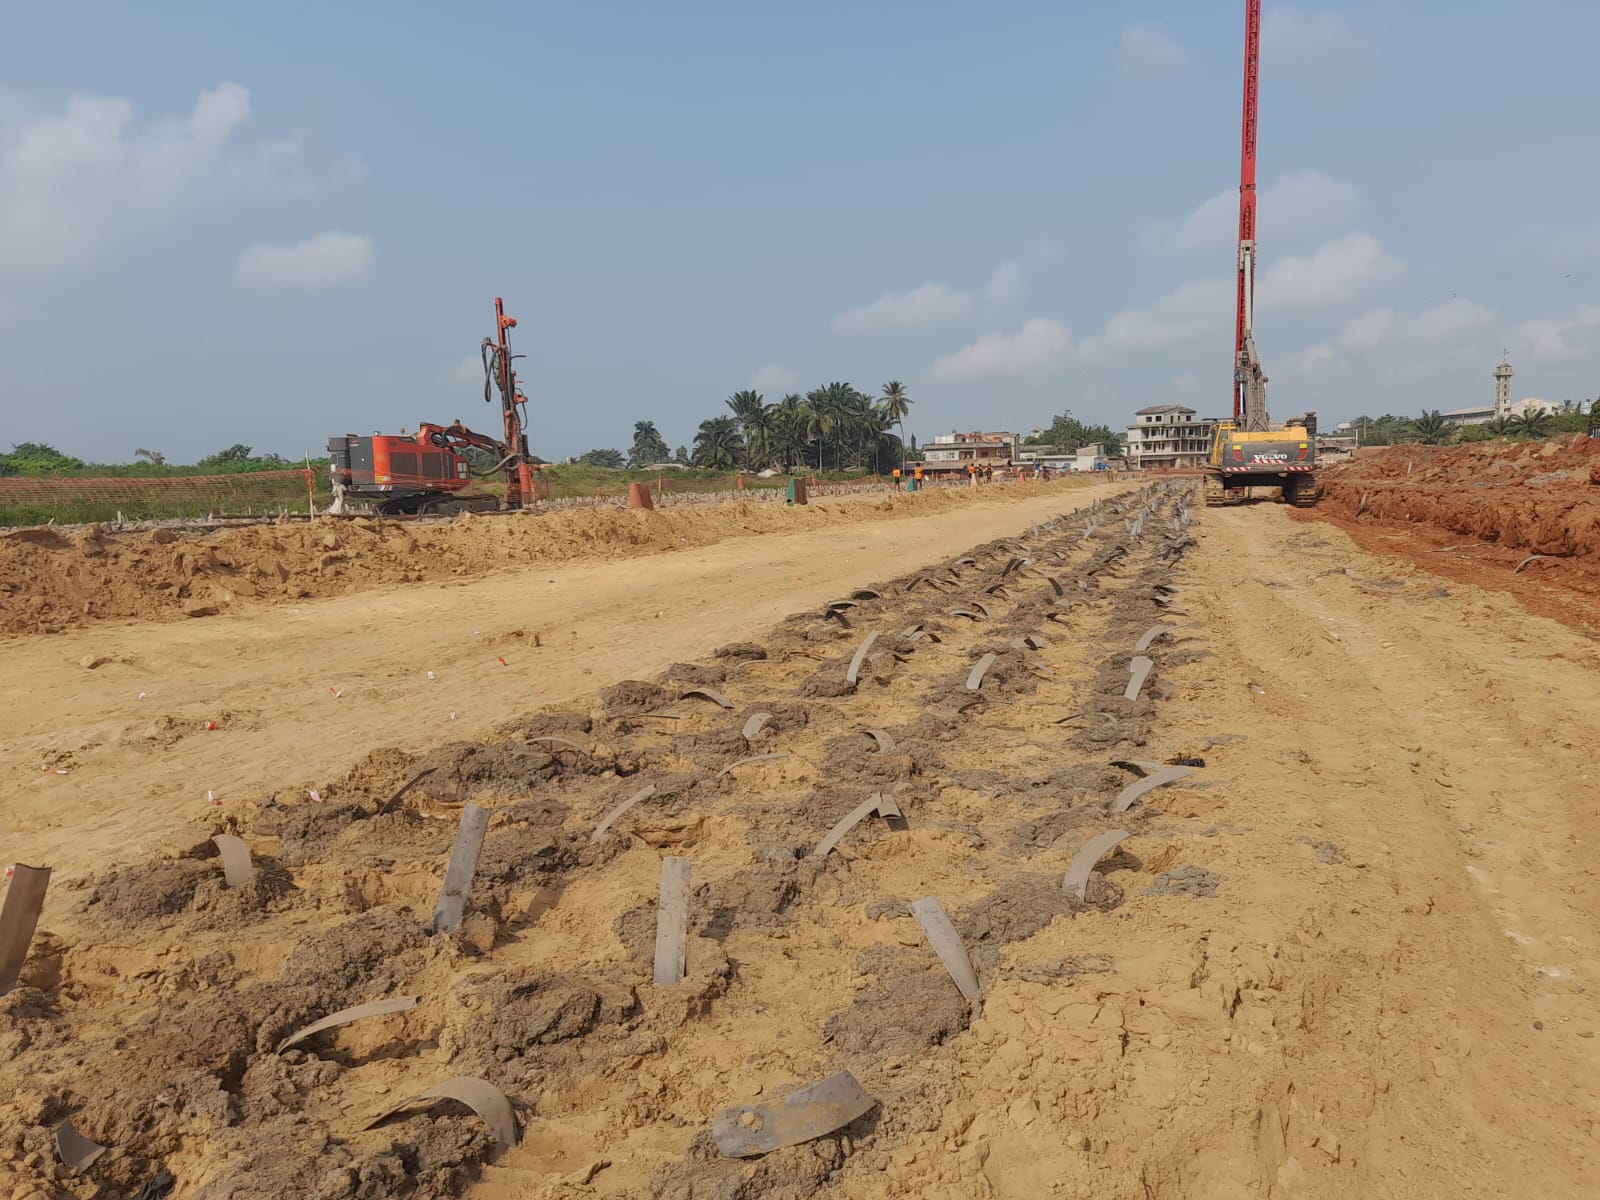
(1502, 386)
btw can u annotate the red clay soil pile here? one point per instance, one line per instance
(1541, 497)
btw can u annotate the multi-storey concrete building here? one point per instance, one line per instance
(1169, 436)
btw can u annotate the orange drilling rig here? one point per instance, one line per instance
(426, 472)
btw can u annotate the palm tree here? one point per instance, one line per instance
(1431, 428)
(1535, 423)
(648, 446)
(896, 406)
(745, 404)
(791, 420)
(717, 444)
(760, 426)
(1499, 427)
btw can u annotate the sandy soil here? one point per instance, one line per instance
(1353, 954)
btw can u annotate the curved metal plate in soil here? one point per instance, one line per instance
(237, 869)
(965, 612)
(754, 725)
(982, 607)
(1083, 862)
(1034, 642)
(754, 758)
(1161, 778)
(888, 807)
(837, 605)
(463, 866)
(482, 1097)
(19, 917)
(866, 594)
(911, 631)
(853, 673)
(376, 1008)
(672, 923)
(975, 679)
(710, 694)
(1139, 671)
(388, 805)
(811, 1112)
(846, 823)
(885, 742)
(643, 793)
(946, 943)
(1150, 635)
(966, 561)
(77, 1151)
(1142, 765)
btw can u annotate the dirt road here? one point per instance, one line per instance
(1354, 953)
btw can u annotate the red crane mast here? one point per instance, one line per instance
(1249, 386)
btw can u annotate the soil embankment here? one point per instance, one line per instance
(57, 579)
(1520, 518)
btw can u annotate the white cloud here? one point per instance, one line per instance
(1148, 51)
(1037, 345)
(1005, 284)
(930, 304)
(1300, 205)
(1316, 357)
(775, 379)
(891, 312)
(328, 260)
(1549, 338)
(1200, 307)
(1296, 37)
(1369, 330)
(1336, 272)
(74, 179)
(1453, 318)
(1439, 325)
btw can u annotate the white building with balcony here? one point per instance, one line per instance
(1169, 437)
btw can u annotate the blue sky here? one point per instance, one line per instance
(272, 223)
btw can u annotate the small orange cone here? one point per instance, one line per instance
(639, 496)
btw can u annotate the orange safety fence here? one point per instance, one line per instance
(243, 487)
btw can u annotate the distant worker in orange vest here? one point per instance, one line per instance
(896, 473)
(916, 476)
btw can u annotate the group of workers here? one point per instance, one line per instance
(976, 473)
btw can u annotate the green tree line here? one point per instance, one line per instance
(39, 458)
(1432, 428)
(834, 427)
